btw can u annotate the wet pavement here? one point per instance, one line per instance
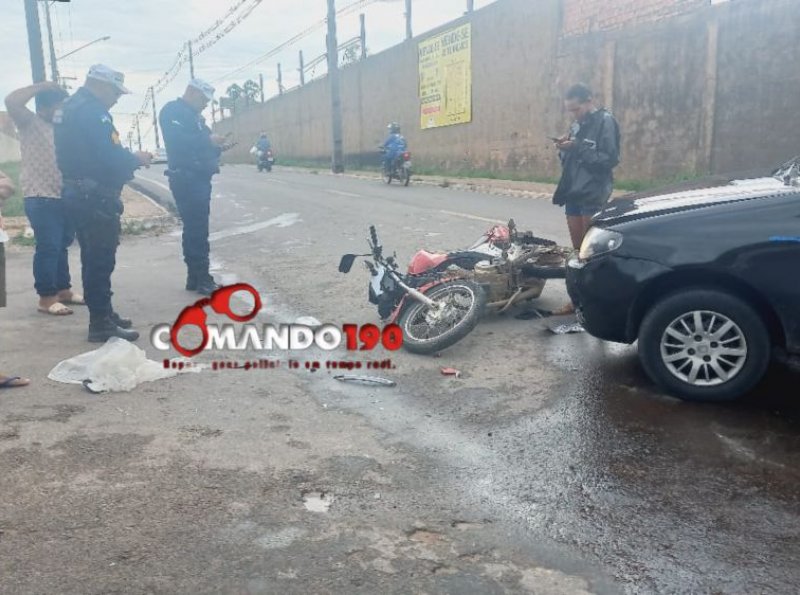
(550, 465)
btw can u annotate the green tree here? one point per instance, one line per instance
(251, 91)
(235, 92)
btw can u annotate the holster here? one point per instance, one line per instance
(95, 208)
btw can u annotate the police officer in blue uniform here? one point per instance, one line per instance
(95, 166)
(193, 153)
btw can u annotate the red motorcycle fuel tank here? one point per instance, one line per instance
(424, 261)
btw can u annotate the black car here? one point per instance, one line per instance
(707, 280)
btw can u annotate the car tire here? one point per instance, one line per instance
(670, 354)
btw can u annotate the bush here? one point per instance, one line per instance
(14, 206)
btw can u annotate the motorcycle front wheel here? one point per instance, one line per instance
(426, 331)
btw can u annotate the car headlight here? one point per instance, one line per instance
(599, 241)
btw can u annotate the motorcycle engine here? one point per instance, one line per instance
(493, 279)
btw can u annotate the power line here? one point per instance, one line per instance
(350, 8)
(205, 43)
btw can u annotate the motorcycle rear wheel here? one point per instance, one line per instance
(466, 301)
(407, 177)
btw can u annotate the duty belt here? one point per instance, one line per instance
(88, 187)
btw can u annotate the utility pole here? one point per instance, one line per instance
(191, 59)
(337, 161)
(280, 80)
(35, 40)
(363, 18)
(138, 134)
(409, 31)
(53, 61)
(302, 69)
(261, 86)
(470, 5)
(155, 117)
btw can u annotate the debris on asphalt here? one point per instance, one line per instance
(451, 372)
(117, 366)
(317, 501)
(568, 329)
(365, 380)
(308, 321)
(533, 314)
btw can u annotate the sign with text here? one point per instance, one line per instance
(445, 78)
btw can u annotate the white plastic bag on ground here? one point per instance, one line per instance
(118, 366)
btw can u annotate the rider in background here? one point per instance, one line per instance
(394, 146)
(263, 143)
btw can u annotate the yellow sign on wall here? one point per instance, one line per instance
(445, 78)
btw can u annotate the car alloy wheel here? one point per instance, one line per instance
(704, 348)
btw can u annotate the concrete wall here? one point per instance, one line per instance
(9, 145)
(696, 88)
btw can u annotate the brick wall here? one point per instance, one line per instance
(586, 16)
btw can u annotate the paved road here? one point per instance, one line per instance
(550, 466)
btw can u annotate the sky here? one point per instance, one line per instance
(146, 36)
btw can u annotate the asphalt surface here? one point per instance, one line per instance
(550, 466)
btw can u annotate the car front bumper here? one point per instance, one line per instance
(605, 291)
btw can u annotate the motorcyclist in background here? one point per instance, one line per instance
(263, 144)
(394, 146)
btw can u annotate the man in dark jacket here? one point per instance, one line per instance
(589, 154)
(193, 154)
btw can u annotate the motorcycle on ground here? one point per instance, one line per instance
(435, 308)
(399, 170)
(442, 297)
(266, 160)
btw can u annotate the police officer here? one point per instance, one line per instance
(193, 153)
(95, 166)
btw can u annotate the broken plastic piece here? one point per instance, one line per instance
(366, 380)
(568, 329)
(451, 372)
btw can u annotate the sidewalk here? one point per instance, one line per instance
(141, 214)
(496, 187)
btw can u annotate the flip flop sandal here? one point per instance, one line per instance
(75, 300)
(14, 382)
(57, 309)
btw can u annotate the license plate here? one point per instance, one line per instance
(407, 165)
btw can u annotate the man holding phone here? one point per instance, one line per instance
(589, 154)
(193, 153)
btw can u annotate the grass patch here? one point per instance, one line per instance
(14, 206)
(644, 185)
(21, 240)
(452, 176)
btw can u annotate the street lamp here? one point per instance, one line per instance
(86, 45)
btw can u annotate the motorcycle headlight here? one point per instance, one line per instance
(599, 241)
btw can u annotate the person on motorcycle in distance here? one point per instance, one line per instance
(262, 144)
(394, 146)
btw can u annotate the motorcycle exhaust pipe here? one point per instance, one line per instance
(417, 295)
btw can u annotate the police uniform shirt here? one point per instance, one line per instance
(88, 145)
(188, 140)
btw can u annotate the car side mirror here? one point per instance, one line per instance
(346, 264)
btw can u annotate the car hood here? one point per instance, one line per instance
(695, 195)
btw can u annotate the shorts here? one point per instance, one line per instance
(574, 209)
